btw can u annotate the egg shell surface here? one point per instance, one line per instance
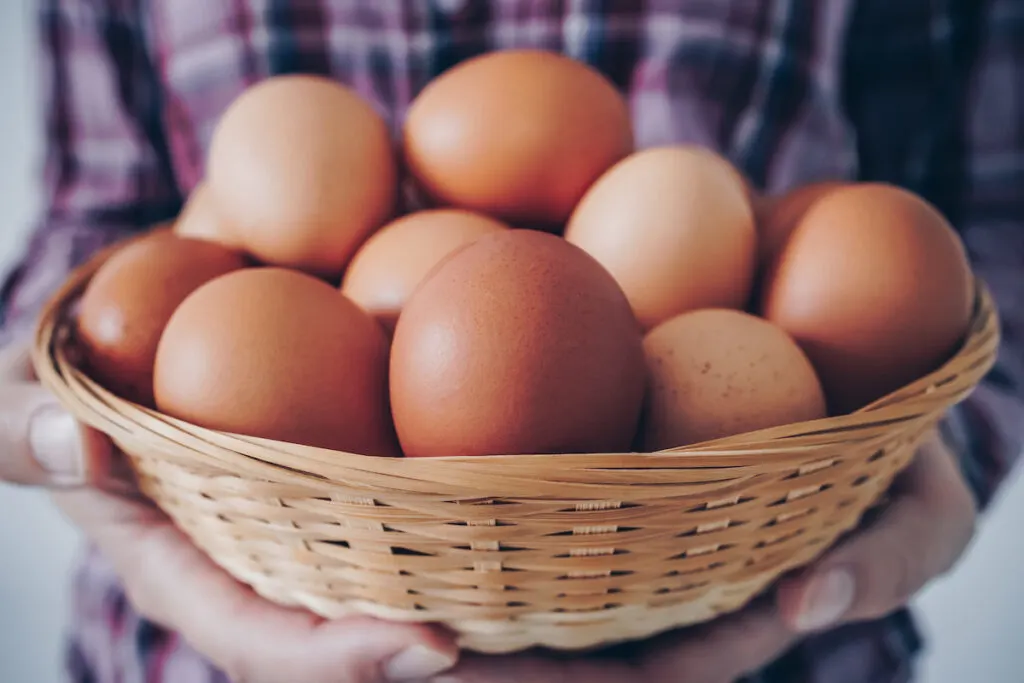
(388, 268)
(304, 170)
(519, 343)
(278, 354)
(876, 287)
(128, 302)
(516, 134)
(720, 372)
(675, 228)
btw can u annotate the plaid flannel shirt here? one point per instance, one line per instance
(926, 94)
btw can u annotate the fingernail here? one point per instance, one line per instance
(417, 663)
(56, 443)
(828, 598)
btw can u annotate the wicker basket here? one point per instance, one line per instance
(560, 551)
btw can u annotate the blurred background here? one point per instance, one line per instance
(973, 620)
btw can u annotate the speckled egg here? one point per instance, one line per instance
(717, 372)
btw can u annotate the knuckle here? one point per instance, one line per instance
(239, 664)
(902, 580)
(235, 665)
(360, 672)
(236, 669)
(142, 597)
(968, 511)
(906, 557)
(955, 545)
(139, 586)
(889, 582)
(956, 527)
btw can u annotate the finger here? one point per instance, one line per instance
(540, 668)
(721, 651)
(254, 640)
(173, 583)
(41, 444)
(919, 537)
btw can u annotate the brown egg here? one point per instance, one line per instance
(719, 372)
(128, 302)
(516, 134)
(518, 343)
(388, 268)
(778, 215)
(199, 219)
(674, 226)
(876, 287)
(277, 354)
(304, 170)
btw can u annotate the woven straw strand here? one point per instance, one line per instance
(566, 551)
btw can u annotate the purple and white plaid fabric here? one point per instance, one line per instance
(922, 93)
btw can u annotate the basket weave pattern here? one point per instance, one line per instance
(564, 551)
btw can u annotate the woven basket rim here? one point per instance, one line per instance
(110, 412)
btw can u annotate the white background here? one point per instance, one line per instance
(974, 619)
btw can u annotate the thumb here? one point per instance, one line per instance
(41, 444)
(918, 538)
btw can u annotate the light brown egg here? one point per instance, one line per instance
(518, 343)
(516, 134)
(199, 219)
(304, 170)
(131, 297)
(674, 227)
(778, 215)
(388, 268)
(277, 354)
(877, 289)
(719, 372)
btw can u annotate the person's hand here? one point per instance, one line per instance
(169, 581)
(919, 536)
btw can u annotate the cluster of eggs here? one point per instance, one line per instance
(550, 289)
